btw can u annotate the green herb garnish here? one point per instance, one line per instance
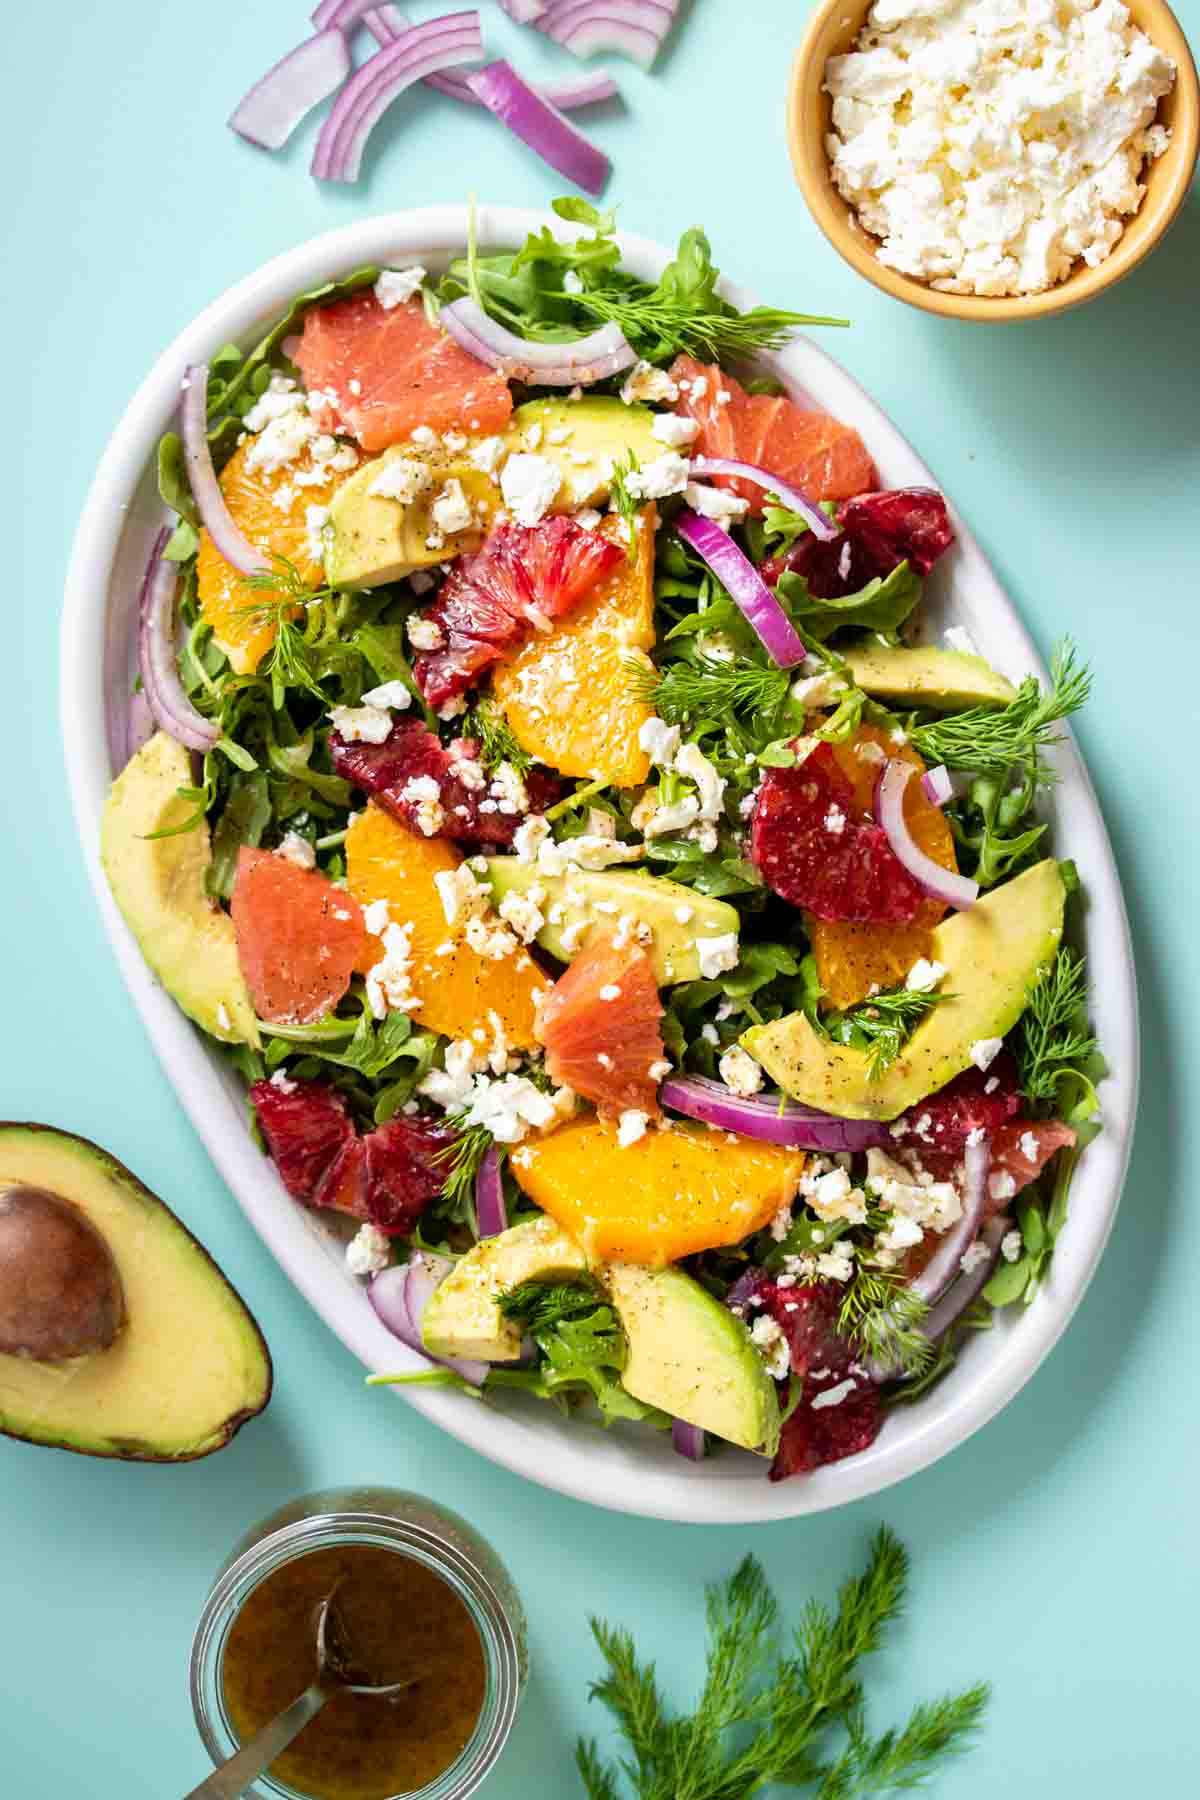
(880, 1027)
(1000, 741)
(494, 735)
(881, 1316)
(708, 689)
(1055, 1041)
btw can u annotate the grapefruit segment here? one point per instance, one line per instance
(600, 1028)
(385, 372)
(460, 989)
(566, 693)
(1023, 1147)
(669, 1195)
(298, 937)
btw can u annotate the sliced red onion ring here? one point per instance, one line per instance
(634, 27)
(945, 1262)
(426, 49)
(937, 785)
(547, 132)
(946, 885)
(228, 538)
(578, 364)
(139, 724)
(967, 1288)
(387, 23)
(794, 1126)
(744, 1286)
(271, 110)
(341, 15)
(747, 589)
(157, 664)
(687, 1440)
(819, 523)
(523, 12)
(400, 1295)
(490, 1212)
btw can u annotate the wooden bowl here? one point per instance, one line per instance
(831, 32)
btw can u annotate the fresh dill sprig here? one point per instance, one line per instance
(711, 335)
(1055, 1040)
(624, 502)
(881, 1026)
(494, 735)
(706, 688)
(882, 1317)
(289, 588)
(461, 1160)
(998, 740)
(290, 663)
(541, 1305)
(780, 1706)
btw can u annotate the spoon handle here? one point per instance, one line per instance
(236, 1775)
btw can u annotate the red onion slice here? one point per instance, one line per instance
(636, 28)
(937, 786)
(341, 15)
(443, 43)
(945, 1262)
(745, 1285)
(578, 364)
(523, 12)
(271, 110)
(819, 523)
(228, 538)
(400, 1295)
(941, 884)
(687, 1440)
(386, 23)
(157, 664)
(794, 1126)
(746, 587)
(547, 132)
(490, 1212)
(967, 1288)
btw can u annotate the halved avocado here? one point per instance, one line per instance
(177, 1364)
(463, 1317)
(992, 954)
(689, 1356)
(676, 915)
(158, 883)
(942, 680)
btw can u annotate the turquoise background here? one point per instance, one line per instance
(1057, 1553)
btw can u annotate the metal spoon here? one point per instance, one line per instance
(335, 1673)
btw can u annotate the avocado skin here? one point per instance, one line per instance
(129, 1447)
(986, 982)
(942, 680)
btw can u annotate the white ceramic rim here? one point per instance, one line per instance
(625, 1469)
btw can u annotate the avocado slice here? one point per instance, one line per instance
(942, 680)
(690, 1356)
(585, 438)
(992, 954)
(158, 883)
(463, 1317)
(607, 894)
(186, 1365)
(371, 538)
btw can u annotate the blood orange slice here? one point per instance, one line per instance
(600, 1028)
(307, 1130)
(385, 372)
(298, 937)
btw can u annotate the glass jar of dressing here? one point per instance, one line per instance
(421, 1596)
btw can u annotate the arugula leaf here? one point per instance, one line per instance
(581, 1348)
(882, 606)
(174, 488)
(246, 816)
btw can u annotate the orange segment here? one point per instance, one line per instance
(852, 958)
(671, 1194)
(566, 694)
(459, 989)
(271, 507)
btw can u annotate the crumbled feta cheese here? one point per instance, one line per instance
(461, 895)
(1001, 1185)
(280, 442)
(282, 395)
(974, 1258)
(769, 1340)
(511, 1105)
(717, 954)
(391, 694)
(401, 478)
(1029, 1146)
(281, 1080)
(740, 1073)
(991, 143)
(296, 849)
(631, 1127)
(834, 1396)
(924, 975)
(361, 724)
(984, 1051)
(957, 637)
(813, 691)
(644, 382)
(1011, 1245)
(675, 430)
(509, 791)
(657, 820)
(587, 518)
(529, 837)
(451, 511)
(692, 763)
(486, 454)
(781, 1223)
(389, 982)
(899, 1234)
(710, 1034)
(316, 518)
(834, 820)
(660, 742)
(837, 1263)
(423, 793)
(572, 282)
(667, 474)
(529, 485)
(495, 942)
(368, 1251)
(424, 634)
(523, 912)
(395, 286)
(714, 503)
(834, 1196)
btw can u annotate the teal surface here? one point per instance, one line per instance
(1057, 1553)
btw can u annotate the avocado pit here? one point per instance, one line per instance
(60, 1290)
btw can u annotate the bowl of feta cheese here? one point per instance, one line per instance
(994, 159)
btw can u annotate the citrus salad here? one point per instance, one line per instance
(539, 787)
